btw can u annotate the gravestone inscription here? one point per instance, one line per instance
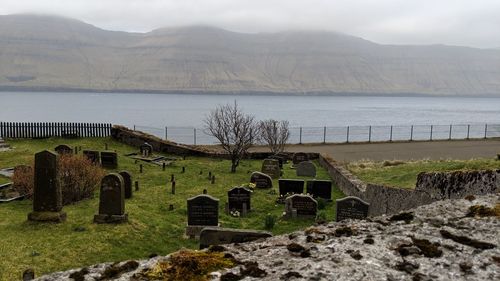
(109, 159)
(127, 183)
(261, 180)
(237, 197)
(351, 207)
(47, 195)
(271, 167)
(279, 158)
(111, 200)
(320, 189)
(305, 169)
(290, 186)
(202, 211)
(301, 205)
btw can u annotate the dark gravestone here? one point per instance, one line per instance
(300, 205)
(290, 186)
(238, 196)
(63, 149)
(279, 158)
(127, 183)
(92, 155)
(47, 195)
(351, 208)
(202, 210)
(109, 159)
(305, 169)
(146, 150)
(111, 200)
(261, 180)
(320, 189)
(299, 157)
(218, 236)
(271, 167)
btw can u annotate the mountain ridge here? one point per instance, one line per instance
(55, 53)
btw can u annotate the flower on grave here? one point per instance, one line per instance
(235, 213)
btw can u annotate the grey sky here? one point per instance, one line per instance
(454, 22)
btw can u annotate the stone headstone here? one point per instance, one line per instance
(109, 159)
(127, 183)
(299, 157)
(146, 150)
(305, 169)
(351, 208)
(261, 180)
(290, 186)
(320, 189)
(280, 159)
(111, 200)
(219, 236)
(202, 211)
(63, 149)
(237, 197)
(47, 195)
(301, 205)
(271, 167)
(92, 155)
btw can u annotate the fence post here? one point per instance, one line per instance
(411, 133)
(347, 134)
(300, 135)
(431, 132)
(370, 133)
(134, 127)
(194, 136)
(166, 133)
(449, 136)
(324, 134)
(485, 130)
(468, 130)
(391, 134)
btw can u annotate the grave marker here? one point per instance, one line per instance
(127, 183)
(301, 205)
(109, 159)
(47, 195)
(320, 189)
(237, 197)
(305, 169)
(351, 208)
(63, 149)
(290, 186)
(299, 157)
(202, 211)
(92, 155)
(271, 167)
(111, 200)
(146, 150)
(279, 158)
(261, 180)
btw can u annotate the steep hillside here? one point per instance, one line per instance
(41, 52)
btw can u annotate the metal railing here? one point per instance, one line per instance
(347, 134)
(18, 130)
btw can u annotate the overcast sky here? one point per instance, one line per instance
(453, 22)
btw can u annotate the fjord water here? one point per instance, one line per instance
(182, 110)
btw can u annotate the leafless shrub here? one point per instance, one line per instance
(275, 134)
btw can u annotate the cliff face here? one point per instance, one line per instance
(446, 240)
(48, 53)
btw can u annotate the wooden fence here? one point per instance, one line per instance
(19, 130)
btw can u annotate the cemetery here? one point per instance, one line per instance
(132, 215)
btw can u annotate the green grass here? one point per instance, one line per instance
(151, 227)
(404, 174)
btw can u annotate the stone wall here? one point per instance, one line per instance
(430, 187)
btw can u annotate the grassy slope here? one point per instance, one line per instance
(405, 175)
(152, 228)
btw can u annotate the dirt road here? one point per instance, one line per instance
(456, 149)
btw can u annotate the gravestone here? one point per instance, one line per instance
(299, 157)
(146, 150)
(92, 155)
(301, 205)
(320, 189)
(127, 183)
(63, 149)
(279, 158)
(305, 169)
(261, 180)
(47, 195)
(217, 236)
(202, 211)
(271, 167)
(109, 159)
(290, 186)
(111, 200)
(237, 197)
(351, 208)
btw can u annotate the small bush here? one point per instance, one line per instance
(321, 217)
(321, 203)
(269, 221)
(77, 176)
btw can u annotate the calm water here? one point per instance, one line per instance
(160, 110)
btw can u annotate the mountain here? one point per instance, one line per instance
(53, 53)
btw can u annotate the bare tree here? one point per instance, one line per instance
(234, 130)
(275, 134)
